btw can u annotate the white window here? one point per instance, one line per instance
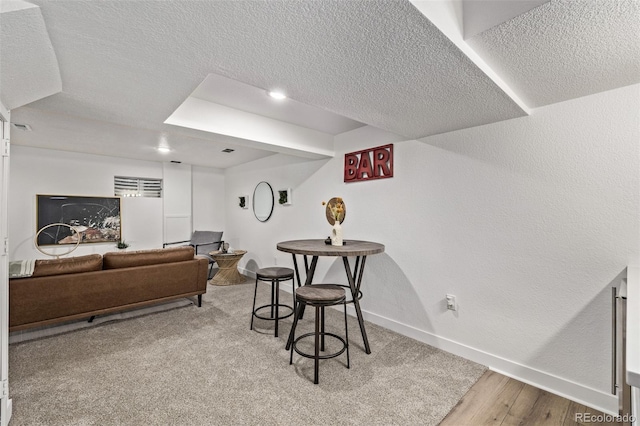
(137, 187)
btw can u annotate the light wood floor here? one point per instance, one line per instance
(499, 400)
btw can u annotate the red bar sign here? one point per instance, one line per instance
(372, 163)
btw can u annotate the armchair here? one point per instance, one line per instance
(203, 242)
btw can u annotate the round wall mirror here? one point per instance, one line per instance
(263, 201)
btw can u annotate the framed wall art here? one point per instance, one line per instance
(91, 219)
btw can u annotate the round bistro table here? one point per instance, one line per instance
(351, 248)
(227, 267)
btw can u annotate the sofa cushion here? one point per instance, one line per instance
(67, 265)
(114, 260)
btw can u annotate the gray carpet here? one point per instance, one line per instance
(203, 366)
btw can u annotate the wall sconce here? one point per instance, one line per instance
(243, 201)
(285, 197)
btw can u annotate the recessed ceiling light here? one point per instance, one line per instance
(164, 149)
(277, 95)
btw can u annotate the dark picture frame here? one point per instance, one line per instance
(94, 219)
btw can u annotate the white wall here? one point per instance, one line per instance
(528, 222)
(176, 200)
(41, 171)
(208, 197)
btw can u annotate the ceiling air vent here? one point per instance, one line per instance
(228, 150)
(24, 127)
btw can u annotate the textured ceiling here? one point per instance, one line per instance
(128, 65)
(33, 73)
(565, 49)
(480, 15)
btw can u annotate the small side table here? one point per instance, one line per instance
(227, 267)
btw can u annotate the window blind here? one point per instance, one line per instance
(137, 187)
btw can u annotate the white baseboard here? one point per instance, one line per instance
(251, 274)
(581, 394)
(9, 410)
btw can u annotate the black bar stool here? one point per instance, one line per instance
(319, 296)
(275, 275)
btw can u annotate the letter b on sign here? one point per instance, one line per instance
(350, 167)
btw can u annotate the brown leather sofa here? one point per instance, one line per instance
(84, 286)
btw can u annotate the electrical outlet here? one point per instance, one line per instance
(451, 302)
